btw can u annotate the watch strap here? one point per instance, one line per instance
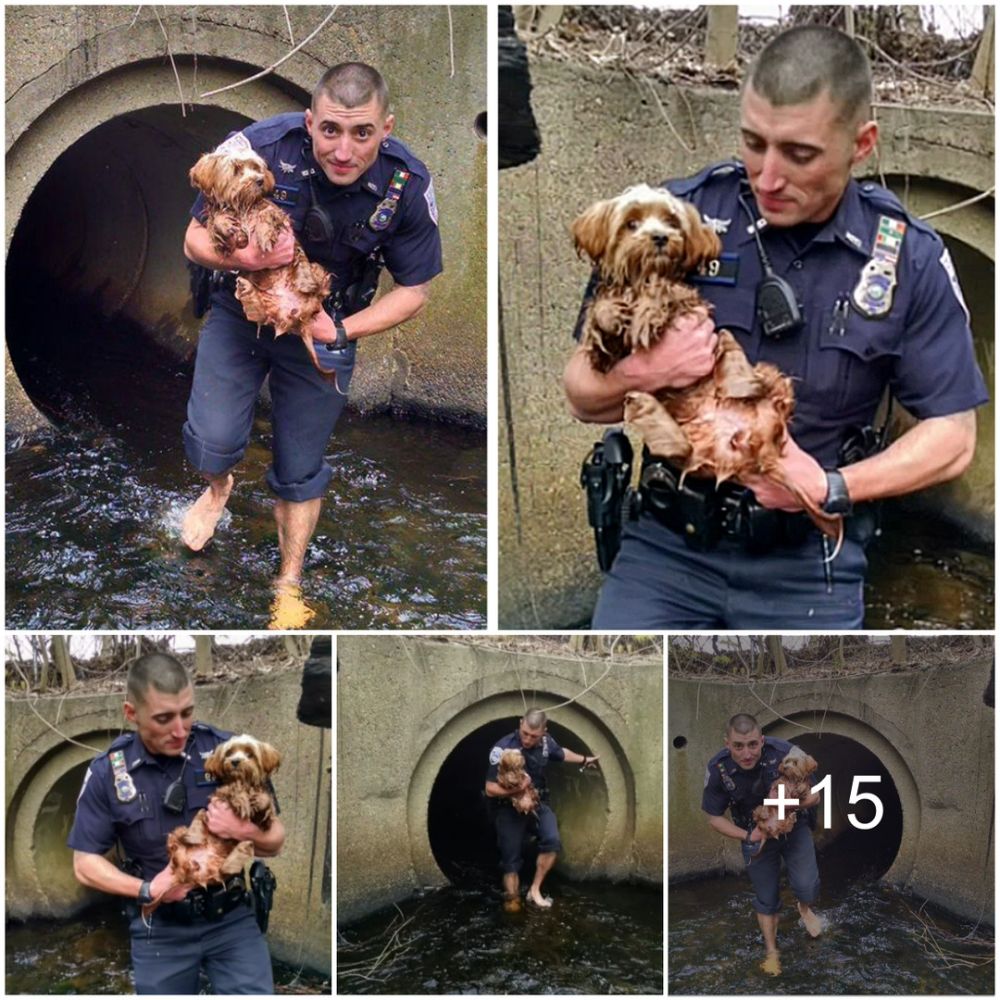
(341, 342)
(145, 896)
(838, 499)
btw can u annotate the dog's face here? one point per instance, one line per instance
(511, 766)
(234, 179)
(643, 232)
(797, 766)
(243, 759)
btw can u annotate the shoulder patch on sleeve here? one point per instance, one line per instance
(432, 209)
(708, 777)
(949, 269)
(235, 145)
(495, 754)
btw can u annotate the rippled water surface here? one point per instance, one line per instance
(598, 938)
(90, 955)
(874, 942)
(93, 513)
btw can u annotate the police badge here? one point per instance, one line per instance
(124, 786)
(872, 296)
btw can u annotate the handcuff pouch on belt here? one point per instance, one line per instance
(208, 904)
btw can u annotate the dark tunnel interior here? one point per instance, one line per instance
(97, 282)
(843, 845)
(458, 818)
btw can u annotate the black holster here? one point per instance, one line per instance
(605, 475)
(262, 886)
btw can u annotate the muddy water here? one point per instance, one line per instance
(93, 512)
(90, 955)
(873, 943)
(598, 938)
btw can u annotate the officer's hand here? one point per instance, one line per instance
(250, 257)
(756, 835)
(321, 329)
(223, 822)
(159, 885)
(798, 467)
(684, 354)
(590, 761)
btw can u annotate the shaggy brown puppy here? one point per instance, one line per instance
(733, 423)
(236, 184)
(510, 774)
(241, 765)
(794, 770)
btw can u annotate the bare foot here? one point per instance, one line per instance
(203, 515)
(538, 899)
(772, 964)
(288, 609)
(813, 922)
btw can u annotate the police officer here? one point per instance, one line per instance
(844, 291)
(357, 197)
(146, 784)
(739, 778)
(538, 748)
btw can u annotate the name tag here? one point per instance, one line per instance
(724, 270)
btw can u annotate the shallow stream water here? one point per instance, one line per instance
(93, 513)
(877, 940)
(90, 955)
(598, 938)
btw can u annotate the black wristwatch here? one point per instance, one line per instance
(838, 500)
(341, 342)
(145, 896)
(746, 839)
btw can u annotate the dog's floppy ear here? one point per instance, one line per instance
(592, 230)
(270, 759)
(204, 174)
(213, 763)
(701, 244)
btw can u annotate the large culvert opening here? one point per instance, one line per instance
(99, 314)
(843, 850)
(459, 823)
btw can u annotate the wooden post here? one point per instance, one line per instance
(983, 68)
(777, 652)
(897, 644)
(203, 656)
(721, 35)
(62, 660)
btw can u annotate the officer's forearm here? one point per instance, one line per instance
(198, 248)
(398, 305)
(495, 791)
(268, 843)
(933, 451)
(726, 827)
(593, 397)
(96, 872)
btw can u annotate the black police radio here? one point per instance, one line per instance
(777, 304)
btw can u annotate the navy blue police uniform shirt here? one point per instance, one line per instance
(842, 359)
(751, 786)
(410, 244)
(122, 797)
(535, 759)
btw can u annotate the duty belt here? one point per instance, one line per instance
(209, 904)
(335, 303)
(703, 514)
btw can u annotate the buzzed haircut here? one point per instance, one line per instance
(804, 62)
(535, 718)
(742, 723)
(352, 84)
(161, 670)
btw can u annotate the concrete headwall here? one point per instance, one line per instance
(404, 704)
(44, 771)
(925, 728)
(601, 132)
(94, 85)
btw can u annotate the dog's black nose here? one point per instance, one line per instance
(660, 240)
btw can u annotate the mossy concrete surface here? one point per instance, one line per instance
(405, 704)
(45, 768)
(931, 731)
(600, 133)
(73, 69)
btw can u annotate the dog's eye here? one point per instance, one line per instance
(632, 225)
